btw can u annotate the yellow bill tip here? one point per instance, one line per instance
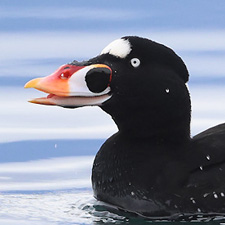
(32, 83)
(32, 101)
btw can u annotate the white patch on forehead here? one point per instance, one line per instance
(119, 48)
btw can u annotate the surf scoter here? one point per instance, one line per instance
(151, 166)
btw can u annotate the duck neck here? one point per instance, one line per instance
(159, 124)
(155, 127)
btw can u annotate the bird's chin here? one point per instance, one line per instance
(72, 101)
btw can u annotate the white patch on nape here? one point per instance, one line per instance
(119, 48)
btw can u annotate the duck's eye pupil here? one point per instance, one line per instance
(135, 62)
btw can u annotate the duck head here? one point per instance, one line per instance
(133, 79)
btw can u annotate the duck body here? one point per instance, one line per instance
(140, 177)
(151, 166)
(155, 182)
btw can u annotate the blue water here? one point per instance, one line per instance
(46, 153)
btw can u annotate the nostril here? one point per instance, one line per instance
(98, 79)
(62, 76)
(65, 75)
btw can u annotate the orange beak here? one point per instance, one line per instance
(68, 86)
(56, 83)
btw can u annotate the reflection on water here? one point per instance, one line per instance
(72, 207)
(65, 207)
(60, 207)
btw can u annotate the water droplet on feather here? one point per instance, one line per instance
(205, 195)
(193, 201)
(215, 195)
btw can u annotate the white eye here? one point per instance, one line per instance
(135, 62)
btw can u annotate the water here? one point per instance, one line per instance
(46, 153)
(65, 207)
